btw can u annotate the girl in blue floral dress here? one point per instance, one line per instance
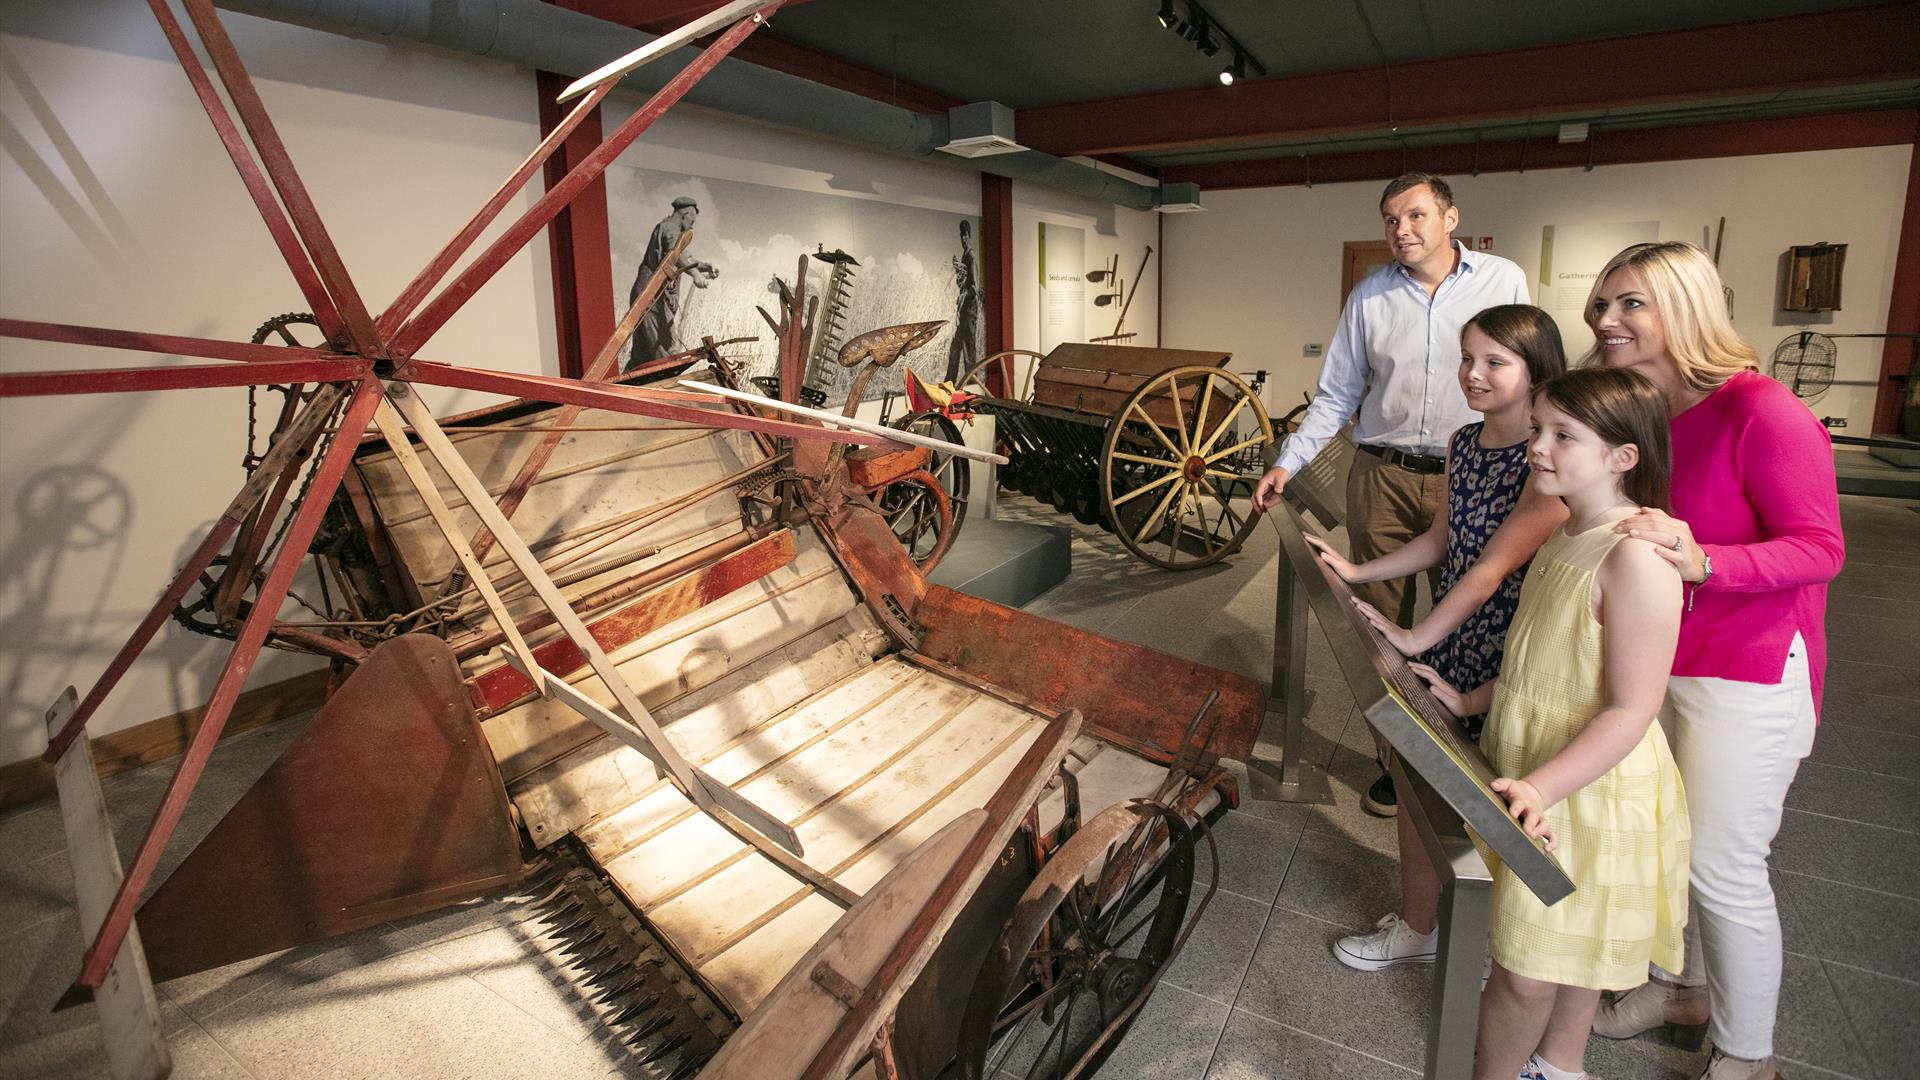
(1494, 523)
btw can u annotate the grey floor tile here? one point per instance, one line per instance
(1294, 980)
(1255, 1048)
(197, 1055)
(1173, 1038)
(1869, 750)
(1254, 853)
(517, 965)
(29, 833)
(1646, 1058)
(1847, 708)
(205, 995)
(1339, 881)
(1216, 956)
(36, 967)
(1881, 679)
(1290, 815)
(1350, 775)
(1882, 1012)
(1855, 795)
(1812, 1026)
(1860, 927)
(1849, 852)
(470, 917)
(34, 891)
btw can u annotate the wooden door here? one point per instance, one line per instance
(1358, 259)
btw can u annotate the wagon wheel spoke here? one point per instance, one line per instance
(1200, 410)
(1142, 459)
(1142, 490)
(1179, 417)
(1141, 414)
(1225, 424)
(1217, 455)
(1226, 506)
(1158, 516)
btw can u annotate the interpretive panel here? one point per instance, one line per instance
(1428, 738)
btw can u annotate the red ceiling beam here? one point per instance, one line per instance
(578, 242)
(1797, 51)
(1903, 316)
(1837, 131)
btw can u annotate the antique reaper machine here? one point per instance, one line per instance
(797, 811)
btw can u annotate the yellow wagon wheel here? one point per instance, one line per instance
(1017, 389)
(1178, 456)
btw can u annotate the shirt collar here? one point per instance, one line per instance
(1469, 260)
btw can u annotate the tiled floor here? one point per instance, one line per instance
(474, 992)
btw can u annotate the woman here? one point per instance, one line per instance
(1755, 534)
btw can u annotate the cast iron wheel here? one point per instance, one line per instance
(1078, 958)
(951, 471)
(1086, 504)
(1066, 488)
(918, 511)
(1167, 451)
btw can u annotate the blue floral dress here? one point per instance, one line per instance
(1483, 486)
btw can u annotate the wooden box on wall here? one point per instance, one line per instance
(1813, 277)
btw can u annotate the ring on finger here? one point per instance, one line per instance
(1679, 543)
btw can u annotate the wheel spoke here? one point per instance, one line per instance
(1227, 507)
(1179, 418)
(1200, 410)
(1225, 423)
(1143, 489)
(1235, 448)
(1162, 463)
(1155, 427)
(1178, 519)
(1158, 515)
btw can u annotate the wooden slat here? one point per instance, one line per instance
(129, 1010)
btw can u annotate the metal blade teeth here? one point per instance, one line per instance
(664, 1049)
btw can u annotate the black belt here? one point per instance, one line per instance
(1425, 464)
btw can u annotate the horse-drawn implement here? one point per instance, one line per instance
(661, 652)
(1158, 446)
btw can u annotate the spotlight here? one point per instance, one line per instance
(1235, 70)
(1166, 14)
(1205, 41)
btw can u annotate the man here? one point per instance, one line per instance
(964, 351)
(653, 338)
(1394, 357)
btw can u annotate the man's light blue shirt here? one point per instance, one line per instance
(1396, 356)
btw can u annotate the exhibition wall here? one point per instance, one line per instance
(118, 208)
(1259, 272)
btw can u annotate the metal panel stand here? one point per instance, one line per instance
(1290, 779)
(1466, 888)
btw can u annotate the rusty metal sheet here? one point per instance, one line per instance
(386, 805)
(1140, 698)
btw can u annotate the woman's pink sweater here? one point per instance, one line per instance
(1753, 477)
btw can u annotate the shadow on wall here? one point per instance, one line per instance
(103, 231)
(63, 512)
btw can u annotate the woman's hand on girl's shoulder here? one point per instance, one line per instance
(1335, 561)
(1670, 536)
(1527, 806)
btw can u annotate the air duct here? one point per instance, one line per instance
(538, 35)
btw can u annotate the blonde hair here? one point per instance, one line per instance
(1691, 303)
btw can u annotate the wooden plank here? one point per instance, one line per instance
(394, 430)
(664, 44)
(694, 652)
(795, 1022)
(129, 1010)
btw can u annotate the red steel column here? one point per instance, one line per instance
(1903, 312)
(996, 257)
(577, 239)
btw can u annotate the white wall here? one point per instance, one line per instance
(118, 208)
(1259, 271)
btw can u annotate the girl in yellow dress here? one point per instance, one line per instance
(1570, 730)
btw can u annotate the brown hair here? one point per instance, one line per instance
(1406, 182)
(1691, 303)
(1528, 333)
(1622, 407)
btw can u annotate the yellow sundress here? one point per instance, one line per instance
(1623, 838)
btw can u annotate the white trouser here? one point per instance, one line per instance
(1738, 746)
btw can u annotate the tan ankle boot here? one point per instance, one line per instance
(1722, 1066)
(1682, 1009)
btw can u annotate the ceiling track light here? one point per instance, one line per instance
(1209, 37)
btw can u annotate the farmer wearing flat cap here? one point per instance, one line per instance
(654, 338)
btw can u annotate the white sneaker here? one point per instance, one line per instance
(1393, 943)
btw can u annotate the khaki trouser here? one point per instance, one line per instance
(1388, 505)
